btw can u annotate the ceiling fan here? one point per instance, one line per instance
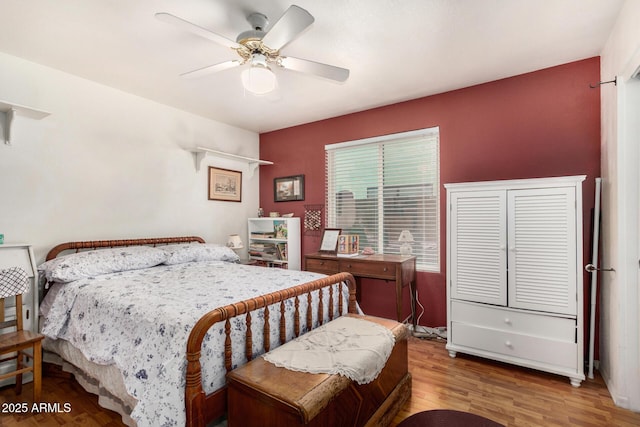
(260, 49)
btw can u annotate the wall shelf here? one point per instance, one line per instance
(7, 112)
(200, 153)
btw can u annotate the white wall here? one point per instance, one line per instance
(619, 330)
(106, 164)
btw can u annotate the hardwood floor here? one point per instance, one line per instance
(82, 410)
(504, 393)
(509, 395)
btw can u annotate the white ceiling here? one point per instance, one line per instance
(396, 50)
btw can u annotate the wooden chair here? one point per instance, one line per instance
(14, 283)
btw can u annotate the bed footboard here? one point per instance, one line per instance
(202, 408)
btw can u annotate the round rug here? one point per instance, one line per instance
(448, 418)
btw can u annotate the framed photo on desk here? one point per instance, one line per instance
(329, 243)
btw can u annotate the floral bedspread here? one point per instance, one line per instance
(140, 320)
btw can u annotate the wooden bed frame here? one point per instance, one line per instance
(97, 244)
(200, 407)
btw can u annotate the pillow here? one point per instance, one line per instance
(199, 252)
(80, 265)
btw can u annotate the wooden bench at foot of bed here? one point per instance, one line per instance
(261, 394)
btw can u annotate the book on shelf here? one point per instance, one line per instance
(263, 234)
(268, 251)
(267, 263)
(282, 251)
(280, 231)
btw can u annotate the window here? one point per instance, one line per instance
(378, 187)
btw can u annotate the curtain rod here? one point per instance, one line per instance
(614, 81)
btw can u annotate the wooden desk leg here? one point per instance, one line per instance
(412, 288)
(399, 299)
(358, 288)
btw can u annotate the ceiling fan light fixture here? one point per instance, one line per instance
(258, 48)
(258, 78)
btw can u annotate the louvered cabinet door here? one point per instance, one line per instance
(542, 249)
(478, 236)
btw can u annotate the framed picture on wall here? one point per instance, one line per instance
(288, 188)
(225, 184)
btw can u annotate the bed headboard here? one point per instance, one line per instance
(96, 244)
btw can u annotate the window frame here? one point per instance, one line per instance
(431, 260)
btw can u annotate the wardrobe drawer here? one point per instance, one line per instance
(521, 346)
(515, 321)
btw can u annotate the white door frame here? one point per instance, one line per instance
(629, 198)
(635, 394)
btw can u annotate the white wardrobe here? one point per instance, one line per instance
(514, 272)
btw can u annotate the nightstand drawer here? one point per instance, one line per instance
(326, 266)
(379, 270)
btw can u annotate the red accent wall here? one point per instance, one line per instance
(539, 124)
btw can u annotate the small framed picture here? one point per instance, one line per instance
(225, 184)
(288, 188)
(329, 243)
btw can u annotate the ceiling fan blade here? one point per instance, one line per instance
(195, 29)
(291, 23)
(323, 70)
(210, 69)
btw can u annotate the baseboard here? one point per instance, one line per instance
(618, 400)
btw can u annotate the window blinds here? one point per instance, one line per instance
(378, 187)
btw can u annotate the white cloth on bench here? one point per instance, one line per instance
(355, 348)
